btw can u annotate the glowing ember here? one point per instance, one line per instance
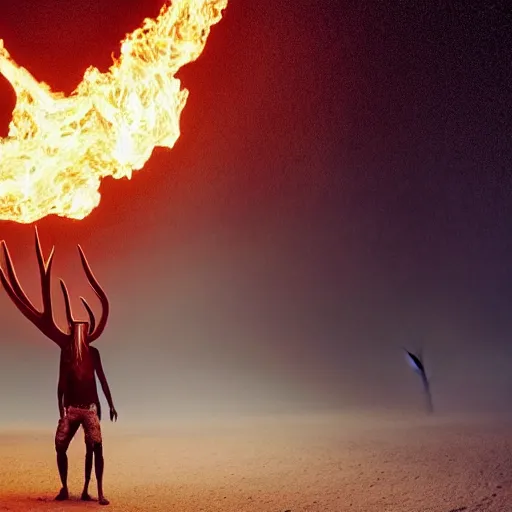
(59, 148)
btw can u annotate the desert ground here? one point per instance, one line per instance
(329, 462)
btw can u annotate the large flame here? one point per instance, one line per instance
(59, 148)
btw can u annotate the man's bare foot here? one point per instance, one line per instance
(103, 501)
(63, 495)
(85, 496)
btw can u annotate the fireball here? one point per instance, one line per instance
(60, 147)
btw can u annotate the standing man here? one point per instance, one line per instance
(79, 364)
(79, 405)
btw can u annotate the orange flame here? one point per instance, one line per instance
(59, 148)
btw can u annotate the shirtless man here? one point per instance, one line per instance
(79, 363)
(79, 405)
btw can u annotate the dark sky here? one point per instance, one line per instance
(341, 188)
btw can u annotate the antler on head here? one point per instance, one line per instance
(44, 320)
(94, 332)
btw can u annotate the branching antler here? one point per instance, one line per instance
(44, 320)
(94, 332)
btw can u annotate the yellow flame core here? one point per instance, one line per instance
(59, 148)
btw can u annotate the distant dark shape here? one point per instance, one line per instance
(77, 393)
(416, 363)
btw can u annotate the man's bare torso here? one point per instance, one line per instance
(79, 380)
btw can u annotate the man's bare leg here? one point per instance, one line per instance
(66, 430)
(89, 451)
(98, 468)
(62, 464)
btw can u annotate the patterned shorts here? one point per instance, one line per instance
(69, 425)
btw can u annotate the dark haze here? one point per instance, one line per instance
(341, 189)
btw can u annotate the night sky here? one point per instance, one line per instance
(341, 188)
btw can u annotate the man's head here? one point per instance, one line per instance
(80, 342)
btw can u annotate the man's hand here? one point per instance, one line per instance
(113, 414)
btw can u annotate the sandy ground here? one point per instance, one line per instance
(330, 462)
